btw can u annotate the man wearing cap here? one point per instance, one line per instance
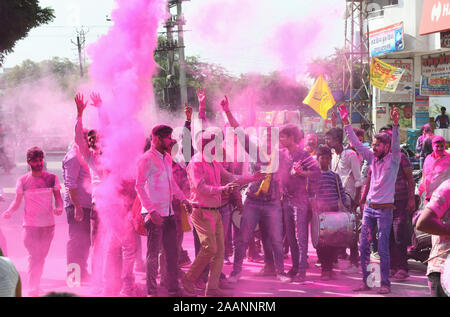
(156, 188)
(436, 168)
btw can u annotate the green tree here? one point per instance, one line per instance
(17, 18)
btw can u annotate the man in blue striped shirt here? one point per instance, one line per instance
(329, 193)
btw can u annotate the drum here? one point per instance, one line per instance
(333, 229)
(445, 276)
(236, 220)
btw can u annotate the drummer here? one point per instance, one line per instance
(329, 193)
(431, 221)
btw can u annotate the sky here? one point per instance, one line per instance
(240, 35)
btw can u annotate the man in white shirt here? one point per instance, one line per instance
(347, 165)
(156, 188)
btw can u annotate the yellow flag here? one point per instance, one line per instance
(384, 76)
(320, 97)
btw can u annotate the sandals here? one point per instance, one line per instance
(384, 290)
(362, 288)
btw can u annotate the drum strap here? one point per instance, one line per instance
(339, 191)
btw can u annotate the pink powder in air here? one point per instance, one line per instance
(121, 70)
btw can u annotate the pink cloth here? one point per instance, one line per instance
(205, 180)
(38, 196)
(440, 204)
(435, 171)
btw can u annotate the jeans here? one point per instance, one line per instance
(165, 236)
(79, 239)
(434, 283)
(399, 237)
(296, 223)
(120, 258)
(225, 212)
(208, 224)
(37, 241)
(383, 219)
(270, 218)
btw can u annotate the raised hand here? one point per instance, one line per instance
(344, 113)
(188, 112)
(81, 104)
(225, 105)
(395, 115)
(201, 95)
(96, 99)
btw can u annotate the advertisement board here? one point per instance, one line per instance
(435, 86)
(435, 16)
(387, 39)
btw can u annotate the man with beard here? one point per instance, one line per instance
(37, 188)
(300, 189)
(156, 189)
(380, 199)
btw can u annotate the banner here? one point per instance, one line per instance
(385, 40)
(435, 86)
(320, 97)
(384, 76)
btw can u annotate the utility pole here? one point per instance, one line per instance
(358, 98)
(174, 95)
(81, 41)
(181, 57)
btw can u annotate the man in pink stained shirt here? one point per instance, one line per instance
(38, 188)
(205, 177)
(436, 168)
(435, 220)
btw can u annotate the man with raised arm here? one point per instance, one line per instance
(380, 199)
(263, 206)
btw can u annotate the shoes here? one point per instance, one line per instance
(187, 284)
(351, 269)
(384, 290)
(178, 293)
(255, 258)
(401, 275)
(199, 284)
(325, 276)
(234, 277)
(362, 288)
(132, 291)
(224, 284)
(266, 272)
(217, 293)
(292, 273)
(284, 278)
(300, 277)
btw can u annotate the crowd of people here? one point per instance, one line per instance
(278, 190)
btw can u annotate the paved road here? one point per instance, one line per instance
(249, 286)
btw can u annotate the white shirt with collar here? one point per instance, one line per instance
(348, 166)
(155, 185)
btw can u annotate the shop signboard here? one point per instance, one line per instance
(387, 39)
(435, 86)
(422, 103)
(435, 16)
(405, 87)
(436, 65)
